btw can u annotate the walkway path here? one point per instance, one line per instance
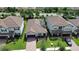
(74, 47)
(31, 44)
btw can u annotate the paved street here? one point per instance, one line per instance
(31, 44)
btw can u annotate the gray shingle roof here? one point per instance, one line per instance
(57, 20)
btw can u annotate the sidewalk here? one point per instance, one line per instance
(54, 49)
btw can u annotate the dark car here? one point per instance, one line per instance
(77, 35)
(68, 41)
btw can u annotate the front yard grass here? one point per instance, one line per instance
(46, 42)
(19, 43)
(56, 42)
(76, 40)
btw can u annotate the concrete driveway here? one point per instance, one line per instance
(31, 44)
(74, 47)
(2, 42)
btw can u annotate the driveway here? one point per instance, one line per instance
(31, 44)
(74, 47)
(2, 42)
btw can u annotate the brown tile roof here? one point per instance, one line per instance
(34, 26)
(11, 21)
(57, 20)
(74, 21)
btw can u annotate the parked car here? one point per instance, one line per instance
(68, 41)
(78, 35)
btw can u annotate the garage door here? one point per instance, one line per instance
(66, 35)
(30, 36)
(3, 37)
(31, 43)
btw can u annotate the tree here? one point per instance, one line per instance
(29, 14)
(55, 9)
(37, 13)
(76, 12)
(10, 9)
(13, 14)
(47, 10)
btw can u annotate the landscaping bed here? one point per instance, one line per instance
(51, 42)
(40, 42)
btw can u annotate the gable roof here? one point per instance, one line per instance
(57, 20)
(75, 22)
(11, 21)
(2, 24)
(34, 26)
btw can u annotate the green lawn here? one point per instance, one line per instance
(76, 40)
(56, 42)
(46, 42)
(19, 43)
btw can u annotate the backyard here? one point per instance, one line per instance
(18, 44)
(51, 42)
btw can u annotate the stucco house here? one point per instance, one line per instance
(35, 29)
(76, 23)
(59, 26)
(11, 26)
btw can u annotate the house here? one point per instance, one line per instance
(11, 26)
(59, 26)
(76, 23)
(35, 29)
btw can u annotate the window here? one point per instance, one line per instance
(3, 30)
(39, 34)
(60, 27)
(11, 29)
(55, 28)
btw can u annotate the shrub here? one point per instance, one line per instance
(5, 49)
(43, 45)
(43, 48)
(62, 48)
(61, 45)
(53, 39)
